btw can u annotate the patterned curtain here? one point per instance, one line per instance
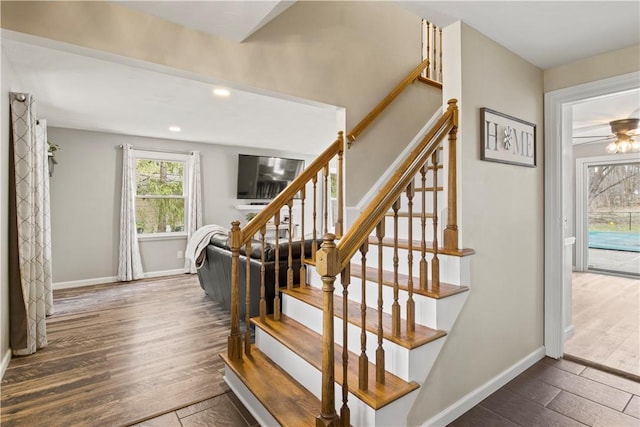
(194, 221)
(31, 297)
(129, 264)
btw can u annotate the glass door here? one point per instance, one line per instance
(613, 217)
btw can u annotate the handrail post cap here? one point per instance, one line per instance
(327, 257)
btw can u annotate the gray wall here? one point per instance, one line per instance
(85, 201)
(9, 83)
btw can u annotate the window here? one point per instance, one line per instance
(161, 193)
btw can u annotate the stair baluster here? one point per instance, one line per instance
(276, 299)
(314, 245)
(263, 300)
(340, 184)
(290, 260)
(325, 194)
(247, 299)
(424, 269)
(395, 307)
(428, 52)
(380, 369)
(435, 262)
(433, 55)
(303, 268)
(411, 307)
(363, 376)
(345, 412)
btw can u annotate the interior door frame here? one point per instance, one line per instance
(582, 222)
(558, 168)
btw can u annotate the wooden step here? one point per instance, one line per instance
(421, 336)
(404, 244)
(308, 345)
(442, 291)
(286, 400)
(430, 82)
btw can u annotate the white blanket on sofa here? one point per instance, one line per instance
(195, 254)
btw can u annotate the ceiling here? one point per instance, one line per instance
(81, 92)
(141, 101)
(545, 33)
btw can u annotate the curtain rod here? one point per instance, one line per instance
(160, 150)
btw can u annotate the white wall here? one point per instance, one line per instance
(85, 200)
(502, 214)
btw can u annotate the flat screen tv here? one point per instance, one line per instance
(263, 177)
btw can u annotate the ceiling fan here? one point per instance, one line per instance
(623, 136)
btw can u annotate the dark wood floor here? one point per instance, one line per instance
(559, 393)
(147, 353)
(119, 354)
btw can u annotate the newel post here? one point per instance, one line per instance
(234, 341)
(451, 232)
(327, 265)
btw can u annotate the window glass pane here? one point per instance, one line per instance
(159, 215)
(159, 178)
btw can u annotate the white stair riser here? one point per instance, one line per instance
(431, 312)
(259, 412)
(397, 358)
(311, 378)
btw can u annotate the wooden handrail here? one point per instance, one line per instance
(373, 114)
(375, 212)
(281, 200)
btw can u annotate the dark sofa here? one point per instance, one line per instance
(215, 273)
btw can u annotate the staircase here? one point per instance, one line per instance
(354, 351)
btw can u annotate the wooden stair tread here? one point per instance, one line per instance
(442, 291)
(404, 244)
(421, 336)
(295, 407)
(308, 345)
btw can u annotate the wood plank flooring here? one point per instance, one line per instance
(119, 354)
(559, 393)
(606, 317)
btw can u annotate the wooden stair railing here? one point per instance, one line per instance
(271, 215)
(314, 223)
(335, 259)
(378, 109)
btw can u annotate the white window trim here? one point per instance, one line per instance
(174, 157)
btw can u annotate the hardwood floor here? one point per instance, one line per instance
(559, 393)
(119, 354)
(606, 317)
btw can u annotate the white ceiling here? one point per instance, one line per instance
(545, 33)
(79, 91)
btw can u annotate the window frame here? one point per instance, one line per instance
(140, 154)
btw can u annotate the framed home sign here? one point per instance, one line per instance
(506, 139)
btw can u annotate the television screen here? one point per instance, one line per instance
(263, 177)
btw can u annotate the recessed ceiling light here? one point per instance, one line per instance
(221, 92)
(174, 128)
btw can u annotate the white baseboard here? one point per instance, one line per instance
(112, 279)
(454, 411)
(84, 282)
(6, 358)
